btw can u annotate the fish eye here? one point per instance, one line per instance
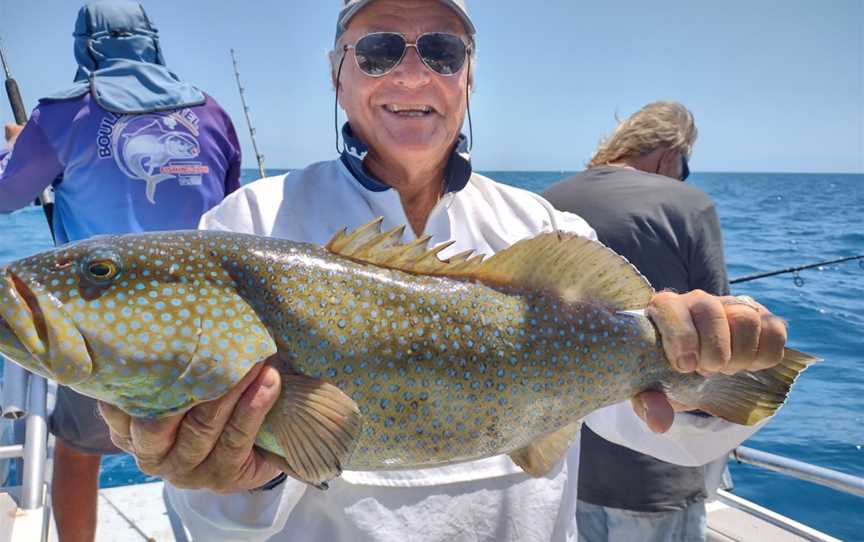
(101, 268)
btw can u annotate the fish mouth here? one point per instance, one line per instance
(29, 298)
(38, 322)
(21, 313)
(11, 347)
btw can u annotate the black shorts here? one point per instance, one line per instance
(77, 422)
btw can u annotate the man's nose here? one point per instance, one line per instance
(412, 72)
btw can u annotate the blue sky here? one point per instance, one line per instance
(776, 85)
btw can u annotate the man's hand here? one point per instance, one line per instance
(209, 447)
(708, 334)
(11, 131)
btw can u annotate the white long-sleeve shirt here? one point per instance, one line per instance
(485, 500)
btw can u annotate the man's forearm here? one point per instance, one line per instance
(26, 171)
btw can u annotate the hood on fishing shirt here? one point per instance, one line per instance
(121, 173)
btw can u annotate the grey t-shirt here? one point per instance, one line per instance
(670, 231)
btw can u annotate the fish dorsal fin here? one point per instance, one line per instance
(573, 267)
(368, 244)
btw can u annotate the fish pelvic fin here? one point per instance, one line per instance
(573, 267)
(540, 456)
(749, 397)
(317, 426)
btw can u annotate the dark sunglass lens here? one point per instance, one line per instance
(443, 53)
(685, 169)
(379, 53)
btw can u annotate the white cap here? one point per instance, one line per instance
(351, 7)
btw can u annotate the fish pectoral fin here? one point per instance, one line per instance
(316, 426)
(540, 456)
(282, 464)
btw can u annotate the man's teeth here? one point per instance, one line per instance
(409, 110)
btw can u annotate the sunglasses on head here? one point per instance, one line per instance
(378, 53)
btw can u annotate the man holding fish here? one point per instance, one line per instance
(419, 391)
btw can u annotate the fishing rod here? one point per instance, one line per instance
(258, 155)
(46, 199)
(799, 281)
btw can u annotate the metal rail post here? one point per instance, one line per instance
(803, 471)
(35, 445)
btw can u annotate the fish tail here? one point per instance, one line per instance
(747, 397)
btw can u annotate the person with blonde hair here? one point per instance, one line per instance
(660, 126)
(633, 196)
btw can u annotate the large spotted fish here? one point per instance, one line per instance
(390, 357)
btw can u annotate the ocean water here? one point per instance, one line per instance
(770, 221)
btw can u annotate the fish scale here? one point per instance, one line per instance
(426, 360)
(390, 357)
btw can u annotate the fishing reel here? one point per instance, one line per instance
(797, 279)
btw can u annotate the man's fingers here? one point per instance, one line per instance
(772, 341)
(234, 450)
(745, 327)
(118, 425)
(654, 409)
(694, 329)
(202, 425)
(676, 327)
(116, 419)
(152, 441)
(709, 317)
(758, 337)
(241, 429)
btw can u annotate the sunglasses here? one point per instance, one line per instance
(378, 53)
(685, 168)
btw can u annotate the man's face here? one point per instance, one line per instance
(385, 112)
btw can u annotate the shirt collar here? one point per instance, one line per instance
(456, 175)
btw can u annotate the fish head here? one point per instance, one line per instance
(110, 305)
(150, 323)
(39, 324)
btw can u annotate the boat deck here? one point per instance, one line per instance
(137, 513)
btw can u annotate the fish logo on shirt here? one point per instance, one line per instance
(155, 148)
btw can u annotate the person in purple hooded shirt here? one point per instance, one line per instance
(129, 148)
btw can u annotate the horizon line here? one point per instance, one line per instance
(480, 170)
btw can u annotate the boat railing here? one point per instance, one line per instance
(840, 481)
(26, 395)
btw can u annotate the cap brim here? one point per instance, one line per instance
(348, 13)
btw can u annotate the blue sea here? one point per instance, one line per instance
(770, 221)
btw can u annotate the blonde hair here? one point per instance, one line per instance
(658, 125)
